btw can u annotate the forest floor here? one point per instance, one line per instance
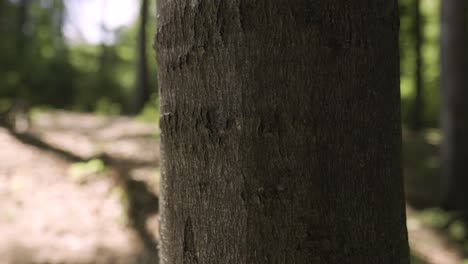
(59, 207)
(80, 188)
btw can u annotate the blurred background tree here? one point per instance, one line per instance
(143, 91)
(419, 42)
(44, 66)
(454, 108)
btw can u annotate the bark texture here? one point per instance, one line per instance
(454, 115)
(280, 132)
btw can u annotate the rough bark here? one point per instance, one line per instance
(143, 89)
(418, 103)
(280, 132)
(454, 114)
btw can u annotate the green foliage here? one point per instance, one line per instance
(421, 166)
(82, 172)
(416, 260)
(5, 105)
(457, 230)
(40, 66)
(422, 184)
(105, 106)
(430, 17)
(450, 223)
(150, 112)
(36, 111)
(119, 193)
(436, 218)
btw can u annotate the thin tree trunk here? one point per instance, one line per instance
(418, 103)
(58, 23)
(454, 114)
(2, 10)
(104, 58)
(3, 19)
(23, 10)
(280, 132)
(21, 47)
(143, 89)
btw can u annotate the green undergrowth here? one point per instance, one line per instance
(107, 107)
(421, 166)
(150, 114)
(83, 172)
(450, 224)
(416, 260)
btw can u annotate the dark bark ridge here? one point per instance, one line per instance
(280, 132)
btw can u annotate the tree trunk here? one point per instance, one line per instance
(23, 10)
(454, 115)
(280, 132)
(418, 103)
(58, 24)
(143, 89)
(2, 9)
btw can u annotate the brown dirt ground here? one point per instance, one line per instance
(431, 246)
(47, 216)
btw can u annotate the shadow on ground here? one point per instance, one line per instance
(140, 200)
